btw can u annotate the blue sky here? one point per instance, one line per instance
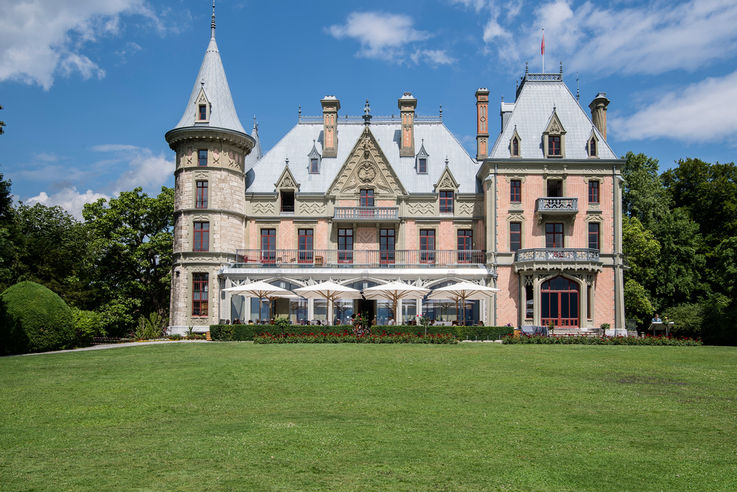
(89, 87)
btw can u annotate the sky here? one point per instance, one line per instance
(90, 87)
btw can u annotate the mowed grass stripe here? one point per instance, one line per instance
(239, 416)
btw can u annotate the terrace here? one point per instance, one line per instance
(372, 258)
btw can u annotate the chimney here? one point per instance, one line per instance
(598, 112)
(482, 123)
(330, 107)
(407, 104)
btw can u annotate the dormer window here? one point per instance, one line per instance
(421, 159)
(593, 145)
(554, 143)
(314, 165)
(203, 112)
(314, 160)
(554, 146)
(202, 105)
(515, 144)
(515, 147)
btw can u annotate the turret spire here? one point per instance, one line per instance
(212, 21)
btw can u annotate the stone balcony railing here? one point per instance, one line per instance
(545, 258)
(366, 214)
(556, 205)
(334, 258)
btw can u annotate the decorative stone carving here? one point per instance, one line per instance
(421, 208)
(446, 181)
(311, 208)
(286, 180)
(465, 208)
(263, 208)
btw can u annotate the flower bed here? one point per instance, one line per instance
(351, 337)
(583, 340)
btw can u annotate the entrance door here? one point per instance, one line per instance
(559, 302)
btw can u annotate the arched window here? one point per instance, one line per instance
(559, 298)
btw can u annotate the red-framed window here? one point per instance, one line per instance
(203, 112)
(305, 243)
(268, 246)
(515, 190)
(515, 236)
(593, 192)
(446, 202)
(202, 157)
(464, 239)
(554, 235)
(427, 245)
(367, 198)
(345, 245)
(594, 235)
(201, 236)
(559, 302)
(201, 194)
(387, 240)
(554, 145)
(199, 294)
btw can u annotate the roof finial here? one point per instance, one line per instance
(367, 113)
(526, 68)
(255, 123)
(299, 111)
(212, 21)
(441, 112)
(286, 161)
(561, 68)
(578, 91)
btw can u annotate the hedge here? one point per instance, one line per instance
(248, 332)
(350, 337)
(583, 340)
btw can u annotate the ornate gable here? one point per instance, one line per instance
(286, 180)
(366, 167)
(446, 181)
(555, 127)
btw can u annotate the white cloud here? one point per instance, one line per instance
(40, 39)
(381, 35)
(145, 169)
(696, 113)
(68, 198)
(433, 57)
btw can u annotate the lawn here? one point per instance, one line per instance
(238, 416)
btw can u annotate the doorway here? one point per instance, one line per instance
(559, 298)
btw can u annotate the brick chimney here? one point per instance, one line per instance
(598, 112)
(330, 107)
(482, 123)
(407, 104)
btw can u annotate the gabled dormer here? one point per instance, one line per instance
(422, 160)
(286, 186)
(314, 160)
(592, 145)
(446, 181)
(554, 144)
(203, 107)
(515, 144)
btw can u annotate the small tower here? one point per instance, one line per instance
(211, 146)
(598, 112)
(407, 104)
(330, 107)
(482, 123)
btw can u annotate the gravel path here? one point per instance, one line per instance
(104, 346)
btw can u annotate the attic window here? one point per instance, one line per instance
(203, 112)
(422, 165)
(421, 159)
(287, 201)
(515, 147)
(554, 146)
(593, 151)
(314, 165)
(314, 158)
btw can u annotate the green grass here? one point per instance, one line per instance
(238, 416)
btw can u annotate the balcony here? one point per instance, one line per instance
(557, 258)
(358, 214)
(556, 205)
(374, 258)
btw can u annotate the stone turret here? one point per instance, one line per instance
(598, 112)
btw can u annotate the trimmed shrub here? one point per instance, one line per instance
(87, 325)
(582, 340)
(350, 337)
(35, 320)
(248, 332)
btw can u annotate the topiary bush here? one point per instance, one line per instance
(87, 325)
(34, 319)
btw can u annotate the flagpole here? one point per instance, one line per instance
(542, 50)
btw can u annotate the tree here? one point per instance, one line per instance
(644, 196)
(2, 125)
(7, 246)
(132, 243)
(641, 249)
(636, 302)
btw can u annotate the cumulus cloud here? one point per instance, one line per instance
(68, 198)
(40, 39)
(385, 36)
(695, 113)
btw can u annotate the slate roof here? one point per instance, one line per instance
(296, 145)
(531, 114)
(222, 113)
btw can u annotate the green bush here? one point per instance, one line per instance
(687, 319)
(583, 340)
(248, 332)
(87, 325)
(350, 337)
(35, 319)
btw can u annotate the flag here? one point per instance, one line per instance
(542, 45)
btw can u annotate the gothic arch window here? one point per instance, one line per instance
(515, 144)
(314, 159)
(421, 159)
(592, 145)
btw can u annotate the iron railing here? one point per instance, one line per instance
(557, 205)
(366, 213)
(562, 255)
(310, 258)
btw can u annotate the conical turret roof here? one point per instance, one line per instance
(211, 79)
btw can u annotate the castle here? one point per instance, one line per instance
(366, 200)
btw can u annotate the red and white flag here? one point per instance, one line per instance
(542, 45)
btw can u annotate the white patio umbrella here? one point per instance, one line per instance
(260, 289)
(462, 292)
(330, 291)
(394, 291)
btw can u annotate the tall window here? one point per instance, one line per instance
(446, 202)
(367, 198)
(287, 201)
(515, 147)
(345, 245)
(201, 236)
(203, 112)
(593, 192)
(554, 146)
(268, 246)
(386, 246)
(201, 197)
(427, 245)
(305, 244)
(314, 165)
(202, 157)
(555, 188)
(422, 165)
(515, 236)
(199, 294)
(465, 245)
(594, 235)
(515, 190)
(554, 235)
(592, 147)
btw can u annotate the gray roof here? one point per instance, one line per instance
(212, 79)
(255, 154)
(531, 114)
(297, 144)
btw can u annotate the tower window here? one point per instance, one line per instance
(287, 201)
(201, 236)
(202, 157)
(594, 235)
(201, 197)
(203, 112)
(515, 236)
(199, 294)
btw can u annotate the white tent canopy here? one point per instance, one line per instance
(462, 292)
(395, 291)
(260, 289)
(330, 291)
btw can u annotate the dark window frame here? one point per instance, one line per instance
(201, 236)
(594, 189)
(594, 235)
(554, 235)
(345, 245)
(515, 191)
(387, 246)
(203, 112)
(286, 201)
(200, 293)
(446, 199)
(515, 236)
(202, 155)
(201, 194)
(554, 146)
(427, 245)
